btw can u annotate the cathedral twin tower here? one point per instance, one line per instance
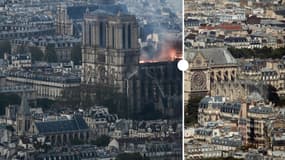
(110, 49)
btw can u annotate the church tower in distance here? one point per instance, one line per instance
(23, 117)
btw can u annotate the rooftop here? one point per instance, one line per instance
(261, 109)
(75, 124)
(227, 141)
(215, 56)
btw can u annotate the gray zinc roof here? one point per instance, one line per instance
(233, 108)
(75, 124)
(260, 110)
(215, 56)
(227, 142)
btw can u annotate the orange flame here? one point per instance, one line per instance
(165, 55)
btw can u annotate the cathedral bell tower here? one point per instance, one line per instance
(23, 117)
(110, 50)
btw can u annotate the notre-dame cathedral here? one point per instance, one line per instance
(207, 68)
(110, 56)
(110, 46)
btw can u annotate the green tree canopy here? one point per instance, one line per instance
(5, 47)
(102, 141)
(148, 113)
(36, 54)
(262, 53)
(76, 54)
(45, 103)
(130, 156)
(76, 141)
(50, 54)
(191, 111)
(71, 96)
(6, 99)
(110, 97)
(21, 49)
(102, 94)
(273, 95)
(10, 128)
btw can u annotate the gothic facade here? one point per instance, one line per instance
(110, 47)
(207, 68)
(110, 56)
(240, 89)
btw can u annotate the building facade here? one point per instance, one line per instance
(110, 50)
(268, 72)
(256, 124)
(62, 45)
(208, 67)
(110, 57)
(20, 61)
(46, 84)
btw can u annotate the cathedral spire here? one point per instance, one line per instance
(24, 107)
(23, 117)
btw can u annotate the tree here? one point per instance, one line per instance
(76, 54)
(278, 52)
(102, 94)
(36, 54)
(191, 111)
(10, 128)
(130, 156)
(148, 113)
(50, 54)
(71, 96)
(7, 99)
(21, 49)
(45, 103)
(76, 141)
(5, 47)
(102, 141)
(273, 95)
(262, 53)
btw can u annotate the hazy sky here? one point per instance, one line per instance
(177, 4)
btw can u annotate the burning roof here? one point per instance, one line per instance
(165, 51)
